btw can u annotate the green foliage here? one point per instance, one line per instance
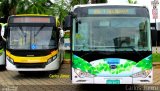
(61, 9)
(12, 7)
(7, 7)
(32, 7)
(99, 1)
(76, 2)
(156, 57)
(132, 1)
(67, 55)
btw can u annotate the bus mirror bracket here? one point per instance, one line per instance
(61, 32)
(68, 21)
(3, 30)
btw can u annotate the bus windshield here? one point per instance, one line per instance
(32, 38)
(111, 34)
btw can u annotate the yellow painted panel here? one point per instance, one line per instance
(41, 59)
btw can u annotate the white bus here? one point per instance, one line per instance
(110, 44)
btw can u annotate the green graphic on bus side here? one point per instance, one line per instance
(83, 65)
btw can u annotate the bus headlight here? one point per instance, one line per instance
(143, 74)
(10, 60)
(51, 59)
(82, 74)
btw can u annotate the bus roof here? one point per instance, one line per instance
(109, 4)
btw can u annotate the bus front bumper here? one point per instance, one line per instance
(90, 79)
(54, 65)
(112, 80)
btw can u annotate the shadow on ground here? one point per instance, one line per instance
(34, 75)
(103, 87)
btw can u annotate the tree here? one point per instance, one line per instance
(132, 1)
(98, 1)
(13, 7)
(61, 9)
(33, 7)
(76, 2)
(7, 8)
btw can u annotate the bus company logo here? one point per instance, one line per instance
(30, 55)
(113, 61)
(113, 66)
(33, 46)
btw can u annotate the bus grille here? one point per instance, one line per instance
(30, 65)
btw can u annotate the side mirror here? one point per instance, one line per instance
(153, 26)
(67, 24)
(154, 34)
(3, 30)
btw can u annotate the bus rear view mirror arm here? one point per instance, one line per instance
(61, 32)
(3, 30)
(68, 21)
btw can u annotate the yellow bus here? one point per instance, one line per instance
(34, 43)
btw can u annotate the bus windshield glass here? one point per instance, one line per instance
(32, 38)
(111, 34)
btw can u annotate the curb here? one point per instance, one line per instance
(156, 63)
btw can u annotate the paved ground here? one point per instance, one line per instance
(13, 81)
(156, 75)
(50, 78)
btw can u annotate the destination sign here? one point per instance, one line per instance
(31, 20)
(118, 11)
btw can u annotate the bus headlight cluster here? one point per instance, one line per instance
(52, 59)
(10, 60)
(143, 74)
(82, 74)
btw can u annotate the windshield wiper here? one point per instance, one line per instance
(35, 34)
(24, 34)
(132, 47)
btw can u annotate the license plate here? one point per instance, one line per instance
(113, 81)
